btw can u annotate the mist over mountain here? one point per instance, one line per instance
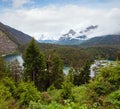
(86, 37)
(11, 39)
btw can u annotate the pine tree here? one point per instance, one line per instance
(82, 76)
(70, 76)
(85, 73)
(34, 64)
(57, 75)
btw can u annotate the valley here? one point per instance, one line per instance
(72, 73)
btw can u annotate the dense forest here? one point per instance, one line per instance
(76, 55)
(41, 83)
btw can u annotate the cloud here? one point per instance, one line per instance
(53, 21)
(19, 3)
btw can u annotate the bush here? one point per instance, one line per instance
(5, 95)
(45, 97)
(55, 94)
(10, 84)
(27, 92)
(67, 90)
(114, 99)
(35, 105)
(79, 94)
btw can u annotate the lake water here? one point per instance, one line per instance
(94, 68)
(10, 58)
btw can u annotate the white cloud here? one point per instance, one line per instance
(19, 3)
(53, 21)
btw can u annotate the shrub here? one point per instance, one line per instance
(45, 97)
(27, 92)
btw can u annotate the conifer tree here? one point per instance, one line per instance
(34, 64)
(85, 73)
(82, 76)
(57, 75)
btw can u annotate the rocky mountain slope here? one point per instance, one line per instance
(11, 39)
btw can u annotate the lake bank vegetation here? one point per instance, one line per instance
(43, 85)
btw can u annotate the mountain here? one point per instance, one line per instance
(113, 39)
(63, 41)
(73, 37)
(11, 39)
(48, 41)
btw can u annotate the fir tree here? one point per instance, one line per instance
(57, 75)
(85, 73)
(34, 64)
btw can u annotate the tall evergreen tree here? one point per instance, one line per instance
(34, 64)
(57, 75)
(85, 73)
(82, 76)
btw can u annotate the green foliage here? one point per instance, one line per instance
(85, 73)
(105, 85)
(102, 92)
(79, 94)
(82, 75)
(70, 76)
(45, 97)
(27, 92)
(5, 95)
(3, 69)
(57, 75)
(10, 84)
(55, 94)
(111, 74)
(55, 105)
(35, 105)
(34, 65)
(67, 90)
(114, 99)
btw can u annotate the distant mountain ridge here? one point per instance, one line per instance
(11, 39)
(113, 39)
(72, 37)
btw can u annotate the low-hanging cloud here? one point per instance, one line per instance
(53, 21)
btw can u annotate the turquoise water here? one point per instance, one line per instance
(95, 65)
(10, 58)
(66, 70)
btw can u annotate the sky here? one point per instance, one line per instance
(49, 19)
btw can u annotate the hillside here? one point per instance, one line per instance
(103, 40)
(11, 39)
